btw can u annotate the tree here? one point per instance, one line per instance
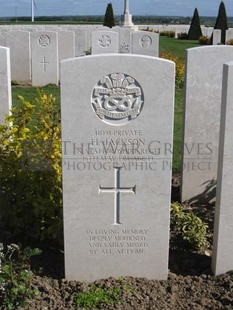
(195, 27)
(109, 16)
(221, 22)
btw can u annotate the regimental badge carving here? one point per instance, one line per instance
(117, 99)
(145, 41)
(44, 40)
(105, 41)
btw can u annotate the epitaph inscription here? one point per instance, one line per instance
(117, 99)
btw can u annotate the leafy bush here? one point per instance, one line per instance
(229, 42)
(182, 36)
(16, 276)
(30, 172)
(97, 297)
(179, 67)
(169, 34)
(203, 40)
(195, 28)
(189, 228)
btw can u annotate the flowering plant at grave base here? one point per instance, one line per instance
(179, 67)
(16, 276)
(30, 171)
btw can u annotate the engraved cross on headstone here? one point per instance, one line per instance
(117, 190)
(44, 63)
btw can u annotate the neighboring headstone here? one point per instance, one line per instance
(223, 229)
(229, 34)
(125, 40)
(80, 42)
(104, 42)
(5, 83)
(217, 36)
(66, 45)
(202, 121)
(117, 125)
(145, 43)
(20, 51)
(44, 46)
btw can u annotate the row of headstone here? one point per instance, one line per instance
(140, 42)
(5, 83)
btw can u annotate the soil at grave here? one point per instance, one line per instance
(190, 284)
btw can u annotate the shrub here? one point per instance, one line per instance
(195, 27)
(179, 67)
(188, 228)
(30, 172)
(229, 42)
(221, 22)
(182, 36)
(109, 20)
(16, 276)
(169, 34)
(203, 40)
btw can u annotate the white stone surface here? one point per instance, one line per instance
(125, 40)
(223, 229)
(44, 47)
(229, 34)
(202, 121)
(117, 123)
(80, 42)
(5, 83)
(126, 18)
(66, 45)
(217, 36)
(19, 44)
(104, 42)
(145, 43)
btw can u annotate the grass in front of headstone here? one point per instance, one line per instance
(175, 46)
(30, 93)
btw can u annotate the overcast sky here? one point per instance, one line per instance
(97, 7)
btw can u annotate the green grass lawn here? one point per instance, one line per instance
(171, 45)
(175, 46)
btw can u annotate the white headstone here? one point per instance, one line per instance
(217, 36)
(104, 42)
(202, 121)
(229, 34)
(44, 46)
(5, 83)
(117, 124)
(19, 44)
(80, 42)
(66, 45)
(223, 229)
(145, 43)
(125, 40)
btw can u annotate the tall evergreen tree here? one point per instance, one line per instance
(221, 22)
(195, 27)
(109, 16)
